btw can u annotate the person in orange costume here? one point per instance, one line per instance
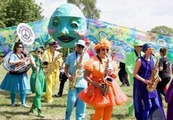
(98, 72)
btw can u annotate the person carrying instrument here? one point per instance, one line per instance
(37, 80)
(103, 92)
(146, 104)
(74, 72)
(14, 81)
(52, 60)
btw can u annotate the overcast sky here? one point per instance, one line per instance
(140, 14)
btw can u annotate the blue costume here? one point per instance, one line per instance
(81, 84)
(146, 104)
(16, 83)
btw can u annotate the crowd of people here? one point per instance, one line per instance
(92, 79)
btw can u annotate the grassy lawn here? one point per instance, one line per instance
(56, 110)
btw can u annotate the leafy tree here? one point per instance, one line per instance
(163, 30)
(13, 12)
(88, 7)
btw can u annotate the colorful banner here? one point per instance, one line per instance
(122, 37)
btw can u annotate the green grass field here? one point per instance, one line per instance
(56, 110)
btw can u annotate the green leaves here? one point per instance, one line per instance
(163, 30)
(88, 8)
(13, 12)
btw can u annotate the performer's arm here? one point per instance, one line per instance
(128, 63)
(67, 73)
(135, 72)
(87, 75)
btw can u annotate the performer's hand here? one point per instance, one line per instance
(70, 78)
(22, 61)
(110, 72)
(37, 69)
(147, 82)
(80, 66)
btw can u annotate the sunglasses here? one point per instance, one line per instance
(105, 49)
(80, 46)
(19, 47)
(40, 52)
(55, 46)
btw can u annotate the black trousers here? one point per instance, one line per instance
(63, 79)
(161, 86)
(123, 76)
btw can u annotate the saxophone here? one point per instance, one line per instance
(78, 72)
(154, 78)
(50, 67)
(106, 80)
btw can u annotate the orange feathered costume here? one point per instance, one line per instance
(92, 95)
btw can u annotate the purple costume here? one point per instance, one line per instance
(146, 104)
(169, 100)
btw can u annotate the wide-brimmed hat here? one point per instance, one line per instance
(103, 43)
(80, 42)
(138, 43)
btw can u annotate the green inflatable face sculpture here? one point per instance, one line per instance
(67, 25)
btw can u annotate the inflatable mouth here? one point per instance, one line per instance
(66, 38)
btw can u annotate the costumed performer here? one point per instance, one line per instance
(130, 62)
(17, 82)
(146, 104)
(103, 92)
(37, 80)
(52, 60)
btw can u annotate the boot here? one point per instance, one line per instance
(40, 113)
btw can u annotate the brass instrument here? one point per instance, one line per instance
(154, 78)
(78, 72)
(19, 68)
(50, 67)
(106, 80)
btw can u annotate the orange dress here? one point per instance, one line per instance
(93, 95)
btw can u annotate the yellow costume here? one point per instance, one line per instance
(53, 78)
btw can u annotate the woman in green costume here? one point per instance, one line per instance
(37, 80)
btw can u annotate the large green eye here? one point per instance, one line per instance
(55, 23)
(74, 25)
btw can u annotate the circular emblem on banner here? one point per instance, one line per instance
(25, 33)
(161, 42)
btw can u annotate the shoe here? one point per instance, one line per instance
(25, 105)
(128, 85)
(49, 101)
(123, 84)
(58, 95)
(40, 113)
(13, 104)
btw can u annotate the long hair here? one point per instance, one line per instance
(16, 45)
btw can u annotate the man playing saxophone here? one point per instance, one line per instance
(74, 72)
(52, 60)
